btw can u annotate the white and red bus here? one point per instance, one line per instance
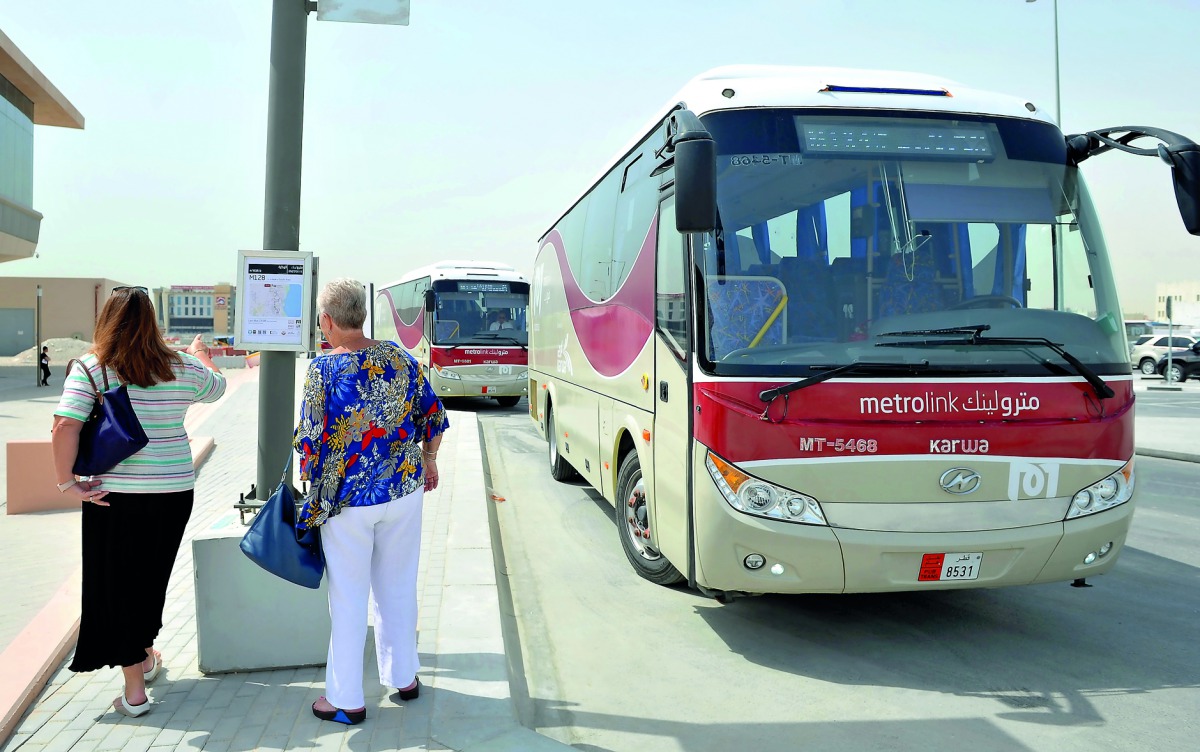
(465, 323)
(824, 330)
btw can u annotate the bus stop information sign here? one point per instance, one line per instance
(276, 301)
(394, 12)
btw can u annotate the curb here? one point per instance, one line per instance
(1167, 454)
(36, 653)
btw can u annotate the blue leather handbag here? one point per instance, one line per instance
(274, 543)
(112, 433)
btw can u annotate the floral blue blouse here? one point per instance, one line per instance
(362, 418)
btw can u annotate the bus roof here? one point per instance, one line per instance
(739, 87)
(461, 270)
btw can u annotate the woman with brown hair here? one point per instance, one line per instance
(134, 515)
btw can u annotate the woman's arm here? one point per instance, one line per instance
(64, 445)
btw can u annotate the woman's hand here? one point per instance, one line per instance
(197, 347)
(89, 491)
(431, 474)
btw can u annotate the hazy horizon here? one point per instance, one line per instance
(466, 134)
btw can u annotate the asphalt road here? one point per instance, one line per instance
(611, 662)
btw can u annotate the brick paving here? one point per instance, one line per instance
(465, 704)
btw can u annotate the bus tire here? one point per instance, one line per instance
(560, 469)
(507, 401)
(634, 529)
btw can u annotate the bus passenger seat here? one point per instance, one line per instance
(809, 288)
(910, 285)
(739, 310)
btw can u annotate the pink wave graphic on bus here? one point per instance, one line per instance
(612, 332)
(409, 334)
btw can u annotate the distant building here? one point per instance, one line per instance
(27, 98)
(69, 309)
(187, 310)
(1186, 303)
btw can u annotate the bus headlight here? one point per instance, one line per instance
(446, 373)
(1114, 490)
(760, 498)
(523, 375)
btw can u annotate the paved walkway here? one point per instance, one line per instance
(465, 703)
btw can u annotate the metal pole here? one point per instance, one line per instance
(37, 336)
(281, 225)
(1057, 78)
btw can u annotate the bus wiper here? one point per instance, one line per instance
(895, 369)
(974, 330)
(1103, 390)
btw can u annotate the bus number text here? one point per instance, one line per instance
(857, 446)
(747, 160)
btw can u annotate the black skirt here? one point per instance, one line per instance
(129, 548)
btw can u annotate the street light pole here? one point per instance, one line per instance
(1057, 72)
(37, 336)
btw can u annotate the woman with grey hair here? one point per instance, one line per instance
(368, 435)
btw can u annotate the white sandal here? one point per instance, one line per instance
(149, 676)
(122, 706)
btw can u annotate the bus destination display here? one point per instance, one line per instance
(483, 287)
(274, 310)
(863, 138)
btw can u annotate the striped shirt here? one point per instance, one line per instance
(165, 464)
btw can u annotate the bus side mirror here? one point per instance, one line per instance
(430, 301)
(1185, 171)
(696, 185)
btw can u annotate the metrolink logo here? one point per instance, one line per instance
(950, 403)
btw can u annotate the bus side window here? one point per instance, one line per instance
(670, 303)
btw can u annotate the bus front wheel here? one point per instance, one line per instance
(507, 401)
(560, 469)
(633, 525)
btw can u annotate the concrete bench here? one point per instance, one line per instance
(246, 618)
(31, 475)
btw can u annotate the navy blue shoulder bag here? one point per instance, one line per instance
(112, 433)
(274, 543)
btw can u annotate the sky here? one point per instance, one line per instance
(467, 133)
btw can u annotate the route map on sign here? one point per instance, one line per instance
(275, 301)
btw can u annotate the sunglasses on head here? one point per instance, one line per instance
(143, 290)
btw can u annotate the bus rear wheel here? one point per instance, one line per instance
(560, 469)
(633, 526)
(507, 401)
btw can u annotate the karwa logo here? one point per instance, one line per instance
(960, 481)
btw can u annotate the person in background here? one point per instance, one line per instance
(44, 362)
(134, 515)
(369, 430)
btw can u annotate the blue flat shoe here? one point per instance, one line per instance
(337, 715)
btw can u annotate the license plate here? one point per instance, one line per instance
(941, 567)
(486, 389)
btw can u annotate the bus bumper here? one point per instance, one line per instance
(817, 559)
(481, 386)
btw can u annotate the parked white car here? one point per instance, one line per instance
(1146, 353)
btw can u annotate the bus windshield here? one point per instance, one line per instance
(839, 230)
(480, 313)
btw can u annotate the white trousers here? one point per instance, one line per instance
(372, 551)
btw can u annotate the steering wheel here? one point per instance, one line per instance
(986, 301)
